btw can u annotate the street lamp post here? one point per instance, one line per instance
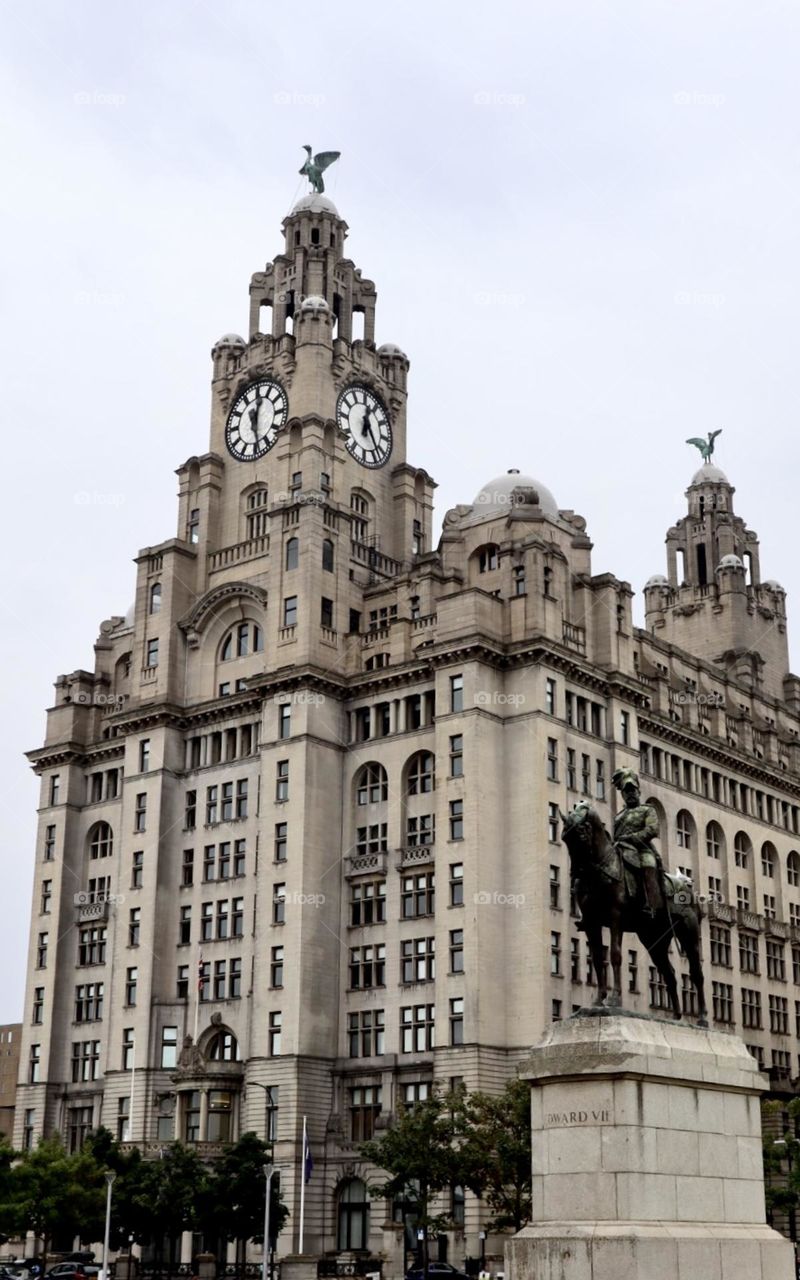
(267, 1092)
(269, 1170)
(788, 1148)
(110, 1176)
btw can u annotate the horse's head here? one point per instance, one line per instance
(576, 825)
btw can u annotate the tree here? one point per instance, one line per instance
(49, 1192)
(235, 1193)
(497, 1153)
(421, 1152)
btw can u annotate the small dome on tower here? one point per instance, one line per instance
(230, 340)
(314, 303)
(657, 580)
(774, 586)
(315, 204)
(497, 497)
(391, 349)
(730, 562)
(709, 474)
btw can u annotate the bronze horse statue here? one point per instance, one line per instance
(603, 893)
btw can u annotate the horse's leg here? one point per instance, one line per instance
(659, 952)
(615, 957)
(687, 930)
(594, 938)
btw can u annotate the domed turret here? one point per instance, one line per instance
(512, 489)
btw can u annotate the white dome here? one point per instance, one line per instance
(314, 303)
(774, 586)
(391, 349)
(730, 562)
(495, 498)
(230, 340)
(316, 204)
(709, 474)
(657, 580)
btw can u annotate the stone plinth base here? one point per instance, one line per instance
(647, 1157)
(299, 1266)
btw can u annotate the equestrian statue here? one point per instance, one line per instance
(620, 884)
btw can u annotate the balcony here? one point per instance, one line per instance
(574, 637)
(750, 920)
(93, 912)
(412, 855)
(362, 864)
(238, 552)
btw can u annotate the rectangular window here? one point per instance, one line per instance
(193, 527)
(456, 819)
(366, 1034)
(552, 823)
(776, 964)
(748, 953)
(326, 613)
(235, 979)
(187, 872)
(212, 805)
(134, 926)
(137, 869)
(417, 896)
(140, 812)
(417, 960)
(633, 971)
(722, 1001)
(190, 811)
(275, 1027)
(281, 840)
(457, 1020)
(367, 967)
(625, 728)
(227, 801)
(182, 982)
(55, 787)
(237, 918)
(124, 1119)
(417, 1028)
(282, 780)
(555, 954)
(169, 1047)
(457, 755)
(89, 1002)
(457, 693)
(284, 720)
(600, 780)
(276, 967)
(49, 843)
(368, 903)
(38, 1006)
(127, 1049)
(550, 696)
(555, 888)
(207, 922)
(552, 760)
(290, 611)
(751, 1008)
(365, 1107)
(28, 1128)
(41, 950)
(220, 968)
(279, 904)
(456, 884)
(572, 772)
(456, 950)
(92, 945)
(131, 984)
(34, 1064)
(720, 945)
(222, 919)
(151, 653)
(144, 755)
(47, 897)
(239, 857)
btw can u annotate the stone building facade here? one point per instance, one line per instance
(9, 1071)
(299, 848)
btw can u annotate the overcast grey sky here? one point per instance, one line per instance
(581, 219)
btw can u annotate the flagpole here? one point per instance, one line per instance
(133, 1084)
(302, 1186)
(198, 988)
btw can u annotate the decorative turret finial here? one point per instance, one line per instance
(706, 447)
(316, 165)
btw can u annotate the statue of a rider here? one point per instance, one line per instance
(635, 829)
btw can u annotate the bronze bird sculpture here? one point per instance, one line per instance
(706, 447)
(316, 165)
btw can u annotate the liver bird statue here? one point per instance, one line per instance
(315, 166)
(706, 447)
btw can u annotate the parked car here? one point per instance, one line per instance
(72, 1271)
(437, 1271)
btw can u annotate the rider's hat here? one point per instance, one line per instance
(625, 777)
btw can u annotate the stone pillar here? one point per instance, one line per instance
(647, 1157)
(203, 1114)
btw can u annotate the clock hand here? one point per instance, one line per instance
(254, 417)
(368, 429)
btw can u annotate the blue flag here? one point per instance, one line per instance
(308, 1162)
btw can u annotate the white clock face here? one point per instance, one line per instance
(363, 417)
(255, 420)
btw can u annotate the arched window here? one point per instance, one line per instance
(353, 1215)
(488, 558)
(372, 784)
(257, 517)
(684, 830)
(241, 640)
(793, 869)
(327, 555)
(742, 848)
(715, 840)
(421, 773)
(769, 859)
(224, 1047)
(292, 553)
(101, 841)
(155, 597)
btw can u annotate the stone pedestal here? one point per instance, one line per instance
(647, 1157)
